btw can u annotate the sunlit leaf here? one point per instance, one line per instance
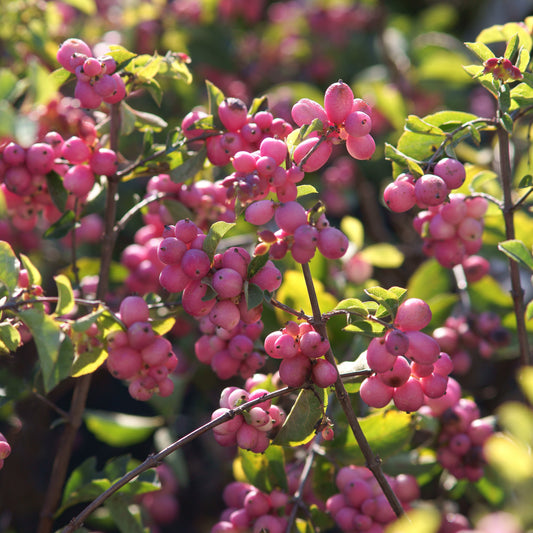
(120, 429)
(383, 255)
(352, 305)
(511, 459)
(216, 233)
(481, 50)
(88, 362)
(518, 252)
(425, 520)
(55, 350)
(265, 471)
(189, 167)
(85, 6)
(353, 229)
(65, 295)
(417, 125)
(300, 425)
(525, 378)
(9, 337)
(9, 266)
(34, 276)
(387, 431)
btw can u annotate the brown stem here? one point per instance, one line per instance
(155, 459)
(373, 462)
(82, 384)
(517, 292)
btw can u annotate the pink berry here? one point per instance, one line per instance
(358, 124)
(305, 111)
(413, 314)
(104, 161)
(332, 243)
(361, 148)
(430, 190)
(409, 397)
(324, 374)
(423, 348)
(195, 263)
(295, 371)
(378, 357)
(40, 158)
(375, 393)
(233, 113)
(260, 212)
(451, 171)
(87, 95)
(399, 196)
(312, 154)
(79, 180)
(70, 47)
(338, 102)
(133, 309)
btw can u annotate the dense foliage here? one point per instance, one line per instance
(265, 267)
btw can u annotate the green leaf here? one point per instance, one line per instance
(256, 264)
(429, 279)
(507, 122)
(65, 295)
(177, 210)
(511, 48)
(88, 362)
(529, 311)
(307, 194)
(369, 328)
(8, 83)
(354, 230)
(423, 520)
(266, 471)
(121, 55)
(401, 159)
(9, 266)
(215, 97)
(189, 167)
(120, 429)
(353, 306)
(387, 431)
(525, 182)
(386, 298)
(126, 517)
(522, 60)
(417, 125)
(301, 423)
(34, 275)
(481, 50)
(61, 227)
(145, 67)
(258, 104)
(503, 33)
(54, 348)
(9, 338)
(383, 255)
(518, 252)
(86, 483)
(488, 294)
(253, 295)
(55, 187)
(59, 76)
(85, 6)
(143, 119)
(216, 233)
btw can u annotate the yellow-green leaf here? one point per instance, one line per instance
(121, 429)
(65, 295)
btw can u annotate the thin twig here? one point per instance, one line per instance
(155, 459)
(373, 462)
(517, 292)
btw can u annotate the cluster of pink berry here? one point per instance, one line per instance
(162, 505)
(250, 509)
(214, 289)
(452, 232)
(249, 430)
(343, 118)
(5, 449)
(450, 224)
(244, 132)
(462, 336)
(361, 505)
(408, 364)
(298, 232)
(232, 352)
(207, 199)
(23, 173)
(301, 350)
(462, 433)
(139, 355)
(97, 80)
(258, 173)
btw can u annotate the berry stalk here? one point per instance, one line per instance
(517, 292)
(373, 462)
